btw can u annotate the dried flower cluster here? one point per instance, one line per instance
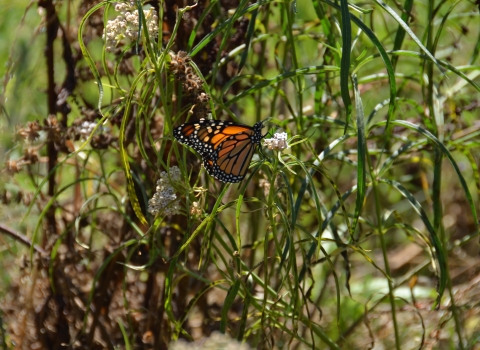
(51, 126)
(196, 210)
(265, 184)
(192, 84)
(53, 130)
(278, 142)
(165, 200)
(63, 137)
(127, 25)
(31, 131)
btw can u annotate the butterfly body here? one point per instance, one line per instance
(226, 147)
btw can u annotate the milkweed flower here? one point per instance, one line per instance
(165, 200)
(127, 24)
(278, 142)
(86, 128)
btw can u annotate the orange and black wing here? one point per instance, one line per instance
(233, 158)
(226, 147)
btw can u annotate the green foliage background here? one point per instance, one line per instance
(366, 225)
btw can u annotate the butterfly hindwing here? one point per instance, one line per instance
(230, 163)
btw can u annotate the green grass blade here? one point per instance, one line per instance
(345, 62)
(447, 153)
(268, 82)
(434, 239)
(407, 29)
(86, 54)
(248, 40)
(124, 155)
(362, 154)
(386, 60)
(225, 25)
(400, 36)
(227, 304)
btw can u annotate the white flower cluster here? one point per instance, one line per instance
(126, 25)
(278, 142)
(86, 128)
(165, 200)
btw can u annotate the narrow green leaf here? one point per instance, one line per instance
(345, 63)
(388, 64)
(231, 295)
(435, 241)
(272, 81)
(447, 153)
(362, 153)
(248, 40)
(244, 317)
(409, 31)
(124, 333)
(124, 156)
(86, 55)
(400, 36)
(325, 223)
(204, 224)
(224, 25)
(200, 20)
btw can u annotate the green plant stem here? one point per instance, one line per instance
(454, 309)
(271, 218)
(384, 251)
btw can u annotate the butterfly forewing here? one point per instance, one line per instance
(227, 148)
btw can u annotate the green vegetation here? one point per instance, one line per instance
(363, 233)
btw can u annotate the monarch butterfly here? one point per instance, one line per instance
(226, 147)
